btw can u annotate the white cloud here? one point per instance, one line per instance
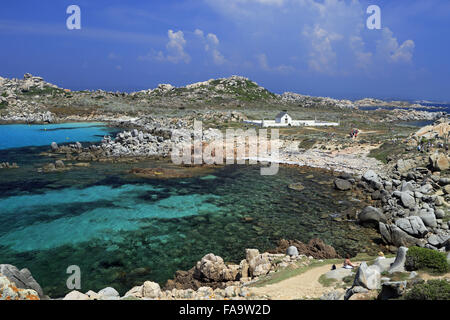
(175, 47)
(211, 46)
(175, 50)
(363, 58)
(322, 56)
(389, 47)
(334, 39)
(264, 64)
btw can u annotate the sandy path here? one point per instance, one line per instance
(305, 285)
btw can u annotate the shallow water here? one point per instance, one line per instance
(23, 135)
(122, 229)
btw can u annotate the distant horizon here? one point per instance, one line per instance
(321, 48)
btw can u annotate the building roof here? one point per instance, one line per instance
(281, 114)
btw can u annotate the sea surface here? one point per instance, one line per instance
(122, 230)
(438, 107)
(24, 135)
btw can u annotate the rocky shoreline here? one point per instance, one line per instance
(210, 278)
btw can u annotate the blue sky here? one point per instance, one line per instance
(316, 47)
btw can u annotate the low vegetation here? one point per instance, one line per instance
(426, 259)
(430, 290)
(386, 150)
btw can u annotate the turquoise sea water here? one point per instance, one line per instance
(23, 135)
(122, 230)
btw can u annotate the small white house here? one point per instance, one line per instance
(283, 118)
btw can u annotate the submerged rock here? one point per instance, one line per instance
(315, 248)
(342, 184)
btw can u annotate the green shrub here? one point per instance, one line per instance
(431, 290)
(426, 259)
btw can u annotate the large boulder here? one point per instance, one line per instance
(209, 268)
(371, 177)
(259, 265)
(22, 278)
(371, 215)
(428, 218)
(368, 277)
(438, 240)
(383, 264)
(439, 162)
(406, 186)
(399, 263)
(408, 201)
(212, 269)
(108, 294)
(392, 290)
(413, 225)
(151, 290)
(391, 234)
(292, 251)
(135, 292)
(9, 291)
(76, 295)
(339, 273)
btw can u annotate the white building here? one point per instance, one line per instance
(283, 119)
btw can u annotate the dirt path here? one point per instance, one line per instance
(305, 285)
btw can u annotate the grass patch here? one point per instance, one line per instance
(348, 280)
(326, 282)
(399, 276)
(387, 149)
(307, 144)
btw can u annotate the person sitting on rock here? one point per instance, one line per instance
(347, 263)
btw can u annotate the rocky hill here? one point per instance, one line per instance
(32, 100)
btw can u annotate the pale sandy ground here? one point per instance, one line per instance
(307, 286)
(303, 286)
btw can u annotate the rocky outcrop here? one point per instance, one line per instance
(394, 235)
(392, 290)
(7, 165)
(410, 207)
(371, 215)
(439, 162)
(212, 269)
(315, 248)
(21, 278)
(10, 291)
(400, 259)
